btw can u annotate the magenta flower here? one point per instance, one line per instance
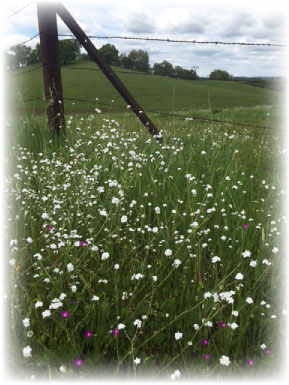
(268, 351)
(74, 301)
(223, 324)
(205, 341)
(83, 243)
(88, 334)
(251, 362)
(206, 356)
(49, 227)
(78, 362)
(246, 226)
(115, 332)
(65, 314)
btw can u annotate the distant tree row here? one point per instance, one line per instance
(69, 52)
(135, 60)
(138, 60)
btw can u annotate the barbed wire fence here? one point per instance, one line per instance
(127, 72)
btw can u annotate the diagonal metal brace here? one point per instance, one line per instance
(105, 68)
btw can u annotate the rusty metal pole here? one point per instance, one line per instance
(106, 69)
(47, 23)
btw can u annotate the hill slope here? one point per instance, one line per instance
(154, 93)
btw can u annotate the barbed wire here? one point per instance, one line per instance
(172, 114)
(175, 115)
(178, 115)
(25, 72)
(19, 10)
(167, 40)
(26, 41)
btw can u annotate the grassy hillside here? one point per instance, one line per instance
(155, 93)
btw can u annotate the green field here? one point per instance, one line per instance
(153, 93)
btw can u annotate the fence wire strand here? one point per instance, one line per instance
(25, 72)
(167, 40)
(185, 117)
(19, 10)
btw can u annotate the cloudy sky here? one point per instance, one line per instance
(261, 21)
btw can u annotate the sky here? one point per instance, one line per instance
(219, 20)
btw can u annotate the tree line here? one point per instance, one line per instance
(135, 60)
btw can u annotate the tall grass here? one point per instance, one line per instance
(136, 257)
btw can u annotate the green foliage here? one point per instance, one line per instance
(110, 53)
(220, 75)
(136, 60)
(18, 57)
(35, 55)
(69, 49)
(163, 69)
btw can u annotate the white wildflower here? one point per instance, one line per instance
(249, 300)
(46, 313)
(224, 360)
(70, 267)
(246, 254)
(27, 351)
(137, 323)
(178, 335)
(137, 360)
(177, 263)
(26, 322)
(38, 304)
(239, 276)
(123, 219)
(104, 256)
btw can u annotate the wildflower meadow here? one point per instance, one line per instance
(130, 256)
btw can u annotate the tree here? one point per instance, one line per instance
(35, 55)
(21, 54)
(125, 61)
(163, 69)
(136, 60)
(69, 50)
(220, 75)
(84, 57)
(110, 53)
(179, 72)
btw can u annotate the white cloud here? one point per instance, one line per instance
(259, 20)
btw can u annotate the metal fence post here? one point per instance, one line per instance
(47, 23)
